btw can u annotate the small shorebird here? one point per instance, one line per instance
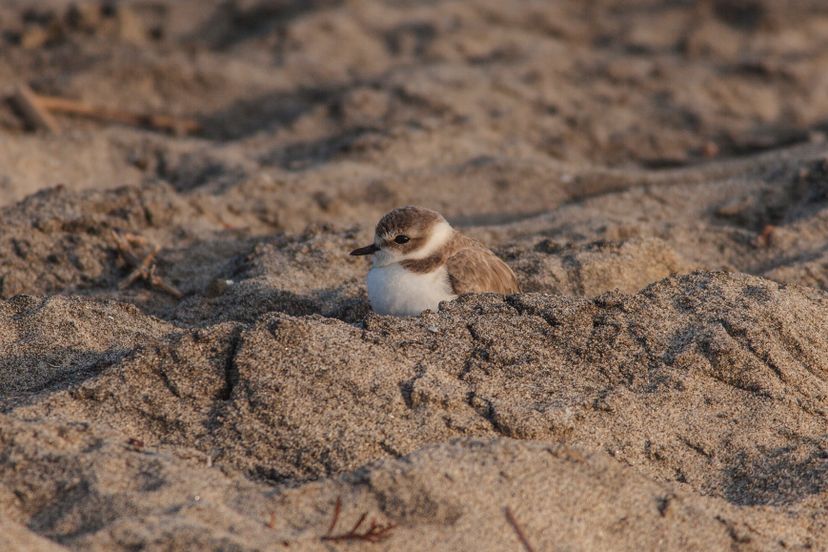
(420, 260)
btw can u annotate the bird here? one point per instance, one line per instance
(419, 260)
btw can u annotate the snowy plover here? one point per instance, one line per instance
(420, 260)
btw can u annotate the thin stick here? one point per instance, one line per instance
(82, 109)
(141, 271)
(124, 245)
(135, 238)
(143, 268)
(37, 116)
(156, 280)
(518, 531)
(374, 533)
(358, 523)
(335, 518)
(765, 237)
(37, 110)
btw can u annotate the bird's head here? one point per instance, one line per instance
(407, 233)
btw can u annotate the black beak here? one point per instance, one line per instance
(367, 250)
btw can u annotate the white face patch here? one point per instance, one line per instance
(440, 234)
(385, 257)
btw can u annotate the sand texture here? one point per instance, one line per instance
(655, 172)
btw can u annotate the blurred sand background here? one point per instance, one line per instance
(655, 171)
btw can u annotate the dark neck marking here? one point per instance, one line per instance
(423, 266)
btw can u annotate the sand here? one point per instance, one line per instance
(655, 172)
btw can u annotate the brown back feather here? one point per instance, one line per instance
(473, 268)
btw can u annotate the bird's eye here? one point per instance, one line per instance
(401, 239)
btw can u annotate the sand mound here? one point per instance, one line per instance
(708, 385)
(123, 494)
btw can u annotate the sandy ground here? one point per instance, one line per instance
(656, 173)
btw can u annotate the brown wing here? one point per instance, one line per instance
(476, 270)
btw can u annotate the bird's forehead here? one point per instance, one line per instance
(408, 219)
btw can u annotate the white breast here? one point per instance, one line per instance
(394, 290)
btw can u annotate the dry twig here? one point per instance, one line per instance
(142, 270)
(35, 114)
(335, 518)
(37, 110)
(156, 281)
(510, 517)
(765, 237)
(376, 532)
(81, 109)
(143, 267)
